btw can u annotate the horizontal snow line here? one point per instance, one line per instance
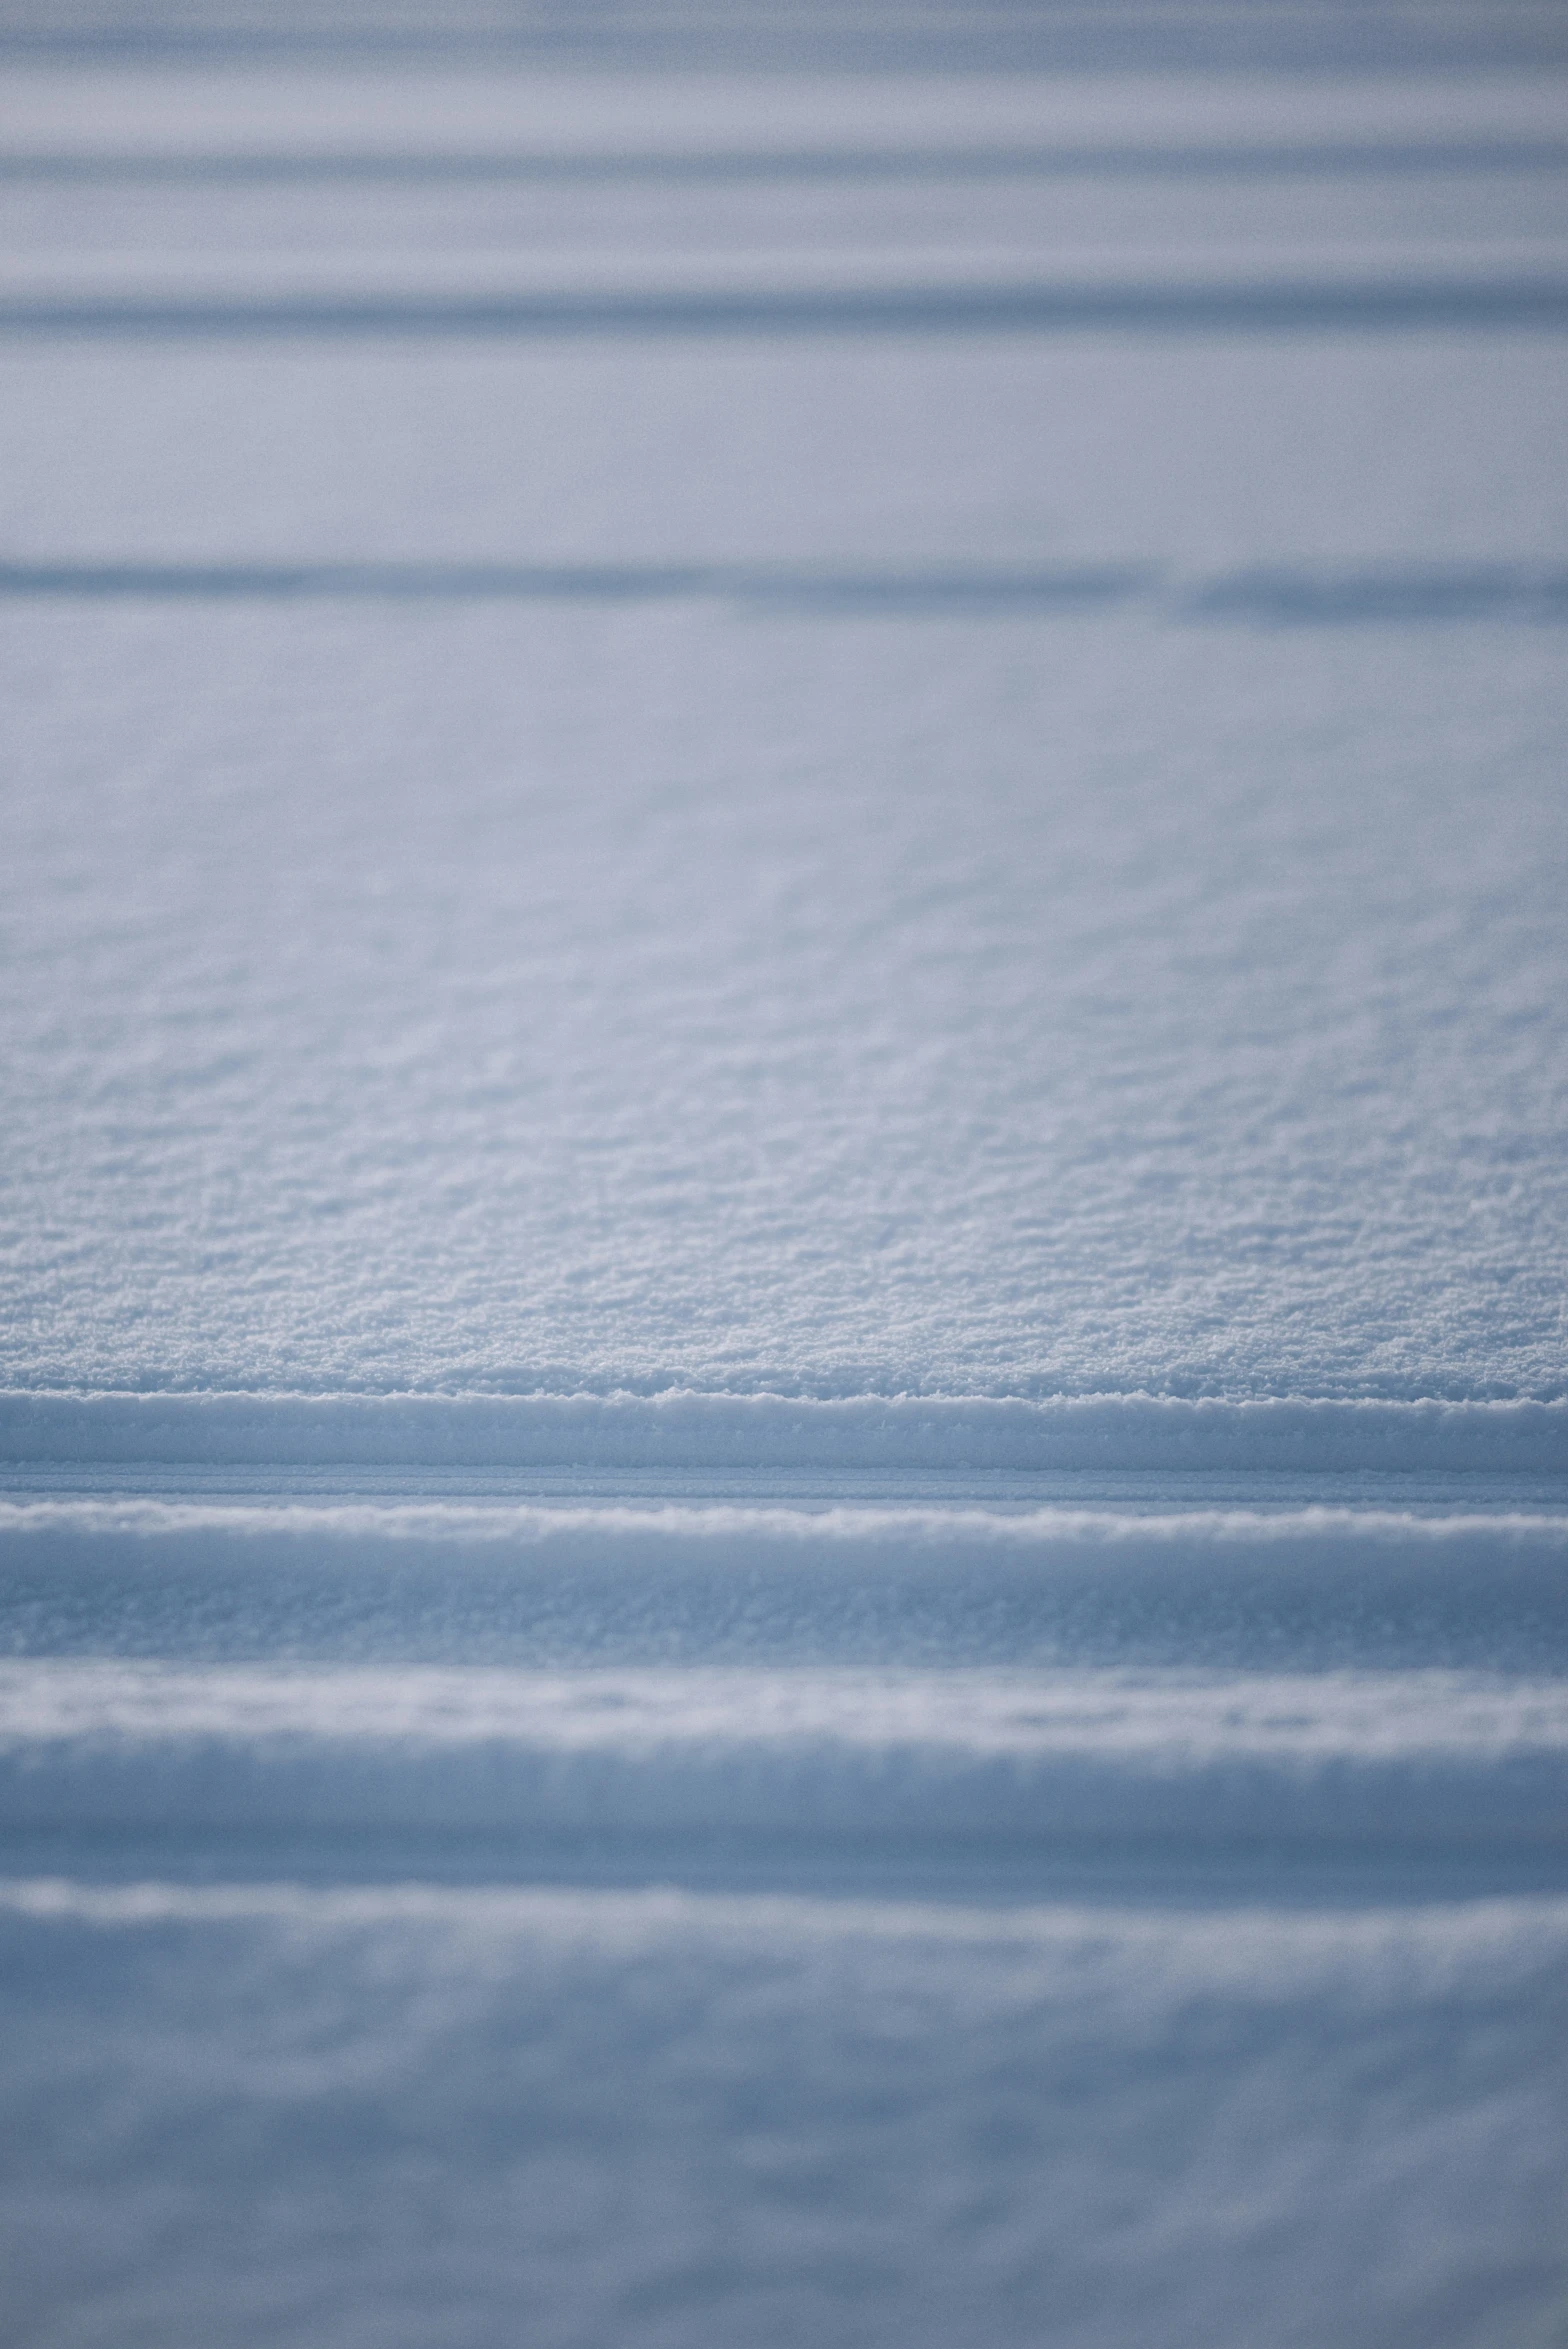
(639, 105)
(1280, 595)
(1171, 1719)
(684, 1429)
(1151, 1953)
(1218, 307)
(1176, 159)
(792, 587)
(1421, 1759)
(575, 1587)
(785, 1530)
(571, 108)
(724, 41)
(1284, 595)
(769, 292)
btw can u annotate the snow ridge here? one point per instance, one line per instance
(1418, 1760)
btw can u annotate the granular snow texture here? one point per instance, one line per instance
(498, 996)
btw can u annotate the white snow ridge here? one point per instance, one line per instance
(783, 1405)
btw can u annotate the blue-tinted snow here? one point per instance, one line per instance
(547, 997)
(782, 1414)
(787, 1586)
(416, 2114)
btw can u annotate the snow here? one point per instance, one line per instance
(329, 112)
(735, 1433)
(403, 2115)
(580, 1584)
(979, 865)
(1006, 1763)
(626, 998)
(783, 1439)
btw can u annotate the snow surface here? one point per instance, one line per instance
(783, 1438)
(546, 997)
(816, 1437)
(972, 864)
(790, 1586)
(404, 2116)
(1412, 1761)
